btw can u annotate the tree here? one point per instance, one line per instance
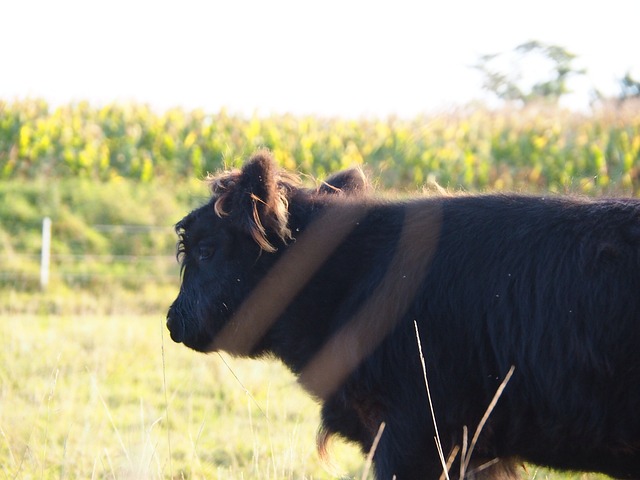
(629, 88)
(515, 85)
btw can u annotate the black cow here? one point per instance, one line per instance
(336, 284)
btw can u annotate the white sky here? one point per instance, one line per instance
(329, 57)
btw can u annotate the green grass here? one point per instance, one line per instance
(85, 397)
(98, 396)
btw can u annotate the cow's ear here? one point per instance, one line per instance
(258, 180)
(255, 200)
(347, 182)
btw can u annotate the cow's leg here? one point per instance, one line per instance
(403, 455)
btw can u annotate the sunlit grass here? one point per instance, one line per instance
(85, 397)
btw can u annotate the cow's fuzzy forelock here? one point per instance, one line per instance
(223, 188)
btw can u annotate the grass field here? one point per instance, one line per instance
(97, 396)
(85, 397)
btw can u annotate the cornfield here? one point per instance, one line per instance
(533, 149)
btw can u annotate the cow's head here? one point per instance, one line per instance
(227, 245)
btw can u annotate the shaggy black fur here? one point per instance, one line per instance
(331, 281)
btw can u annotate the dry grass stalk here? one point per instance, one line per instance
(465, 454)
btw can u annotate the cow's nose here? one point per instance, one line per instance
(175, 326)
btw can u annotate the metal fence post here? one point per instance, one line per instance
(46, 253)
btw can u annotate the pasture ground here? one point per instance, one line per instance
(111, 396)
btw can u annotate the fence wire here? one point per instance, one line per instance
(24, 269)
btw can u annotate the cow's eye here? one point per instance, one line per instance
(205, 251)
